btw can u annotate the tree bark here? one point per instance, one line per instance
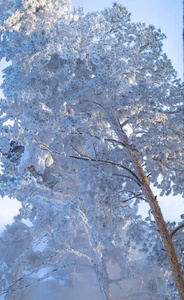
(161, 225)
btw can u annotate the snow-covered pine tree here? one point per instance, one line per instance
(96, 117)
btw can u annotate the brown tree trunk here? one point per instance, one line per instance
(161, 225)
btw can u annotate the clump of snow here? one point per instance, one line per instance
(49, 161)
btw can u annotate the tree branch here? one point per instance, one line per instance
(135, 196)
(169, 167)
(177, 229)
(115, 141)
(121, 175)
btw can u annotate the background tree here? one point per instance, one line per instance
(97, 116)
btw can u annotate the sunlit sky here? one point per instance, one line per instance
(164, 14)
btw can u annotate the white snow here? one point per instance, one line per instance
(8, 123)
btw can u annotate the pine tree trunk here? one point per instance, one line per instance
(161, 225)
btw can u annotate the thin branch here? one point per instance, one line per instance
(135, 196)
(121, 175)
(170, 112)
(177, 229)
(169, 167)
(143, 47)
(95, 150)
(140, 132)
(175, 159)
(125, 122)
(115, 141)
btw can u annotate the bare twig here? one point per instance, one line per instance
(168, 167)
(135, 196)
(125, 176)
(115, 141)
(177, 229)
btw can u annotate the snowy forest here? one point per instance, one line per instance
(91, 119)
